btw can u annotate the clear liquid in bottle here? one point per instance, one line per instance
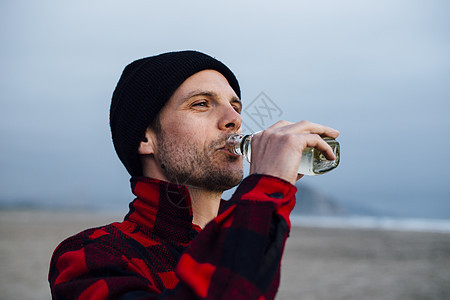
(313, 162)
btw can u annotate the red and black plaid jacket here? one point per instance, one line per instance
(156, 252)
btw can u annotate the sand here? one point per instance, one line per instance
(319, 263)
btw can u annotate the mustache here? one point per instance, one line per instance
(220, 142)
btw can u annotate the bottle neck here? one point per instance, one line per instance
(236, 142)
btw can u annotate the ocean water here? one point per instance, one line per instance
(365, 222)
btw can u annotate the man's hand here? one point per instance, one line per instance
(277, 151)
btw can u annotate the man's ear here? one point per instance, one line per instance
(147, 145)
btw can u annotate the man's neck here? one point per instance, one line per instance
(205, 205)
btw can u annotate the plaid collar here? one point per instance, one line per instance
(164, 209)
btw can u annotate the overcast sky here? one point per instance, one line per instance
(378, 71)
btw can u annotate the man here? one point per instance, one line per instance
(170, 117)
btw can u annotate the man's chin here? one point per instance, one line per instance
(234, 184)
(234, 180)
(225, 180)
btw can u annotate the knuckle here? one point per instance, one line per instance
(304, 122)
(280, 124)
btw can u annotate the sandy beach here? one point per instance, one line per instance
(319, 263)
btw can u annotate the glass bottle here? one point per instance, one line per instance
(313, 162)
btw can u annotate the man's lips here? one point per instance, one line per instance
(221, 146)
(225, 149)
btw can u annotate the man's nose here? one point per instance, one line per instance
(231, 120)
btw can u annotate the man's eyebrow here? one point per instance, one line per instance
(211, 94)
(198, 93)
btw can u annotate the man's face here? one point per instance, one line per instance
(195, 123)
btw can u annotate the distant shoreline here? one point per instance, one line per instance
(340, 222)
(370, 222)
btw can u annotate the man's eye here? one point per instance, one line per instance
(201, 104)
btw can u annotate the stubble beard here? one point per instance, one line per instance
(183, 163)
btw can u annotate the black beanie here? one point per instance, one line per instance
(144, 88)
